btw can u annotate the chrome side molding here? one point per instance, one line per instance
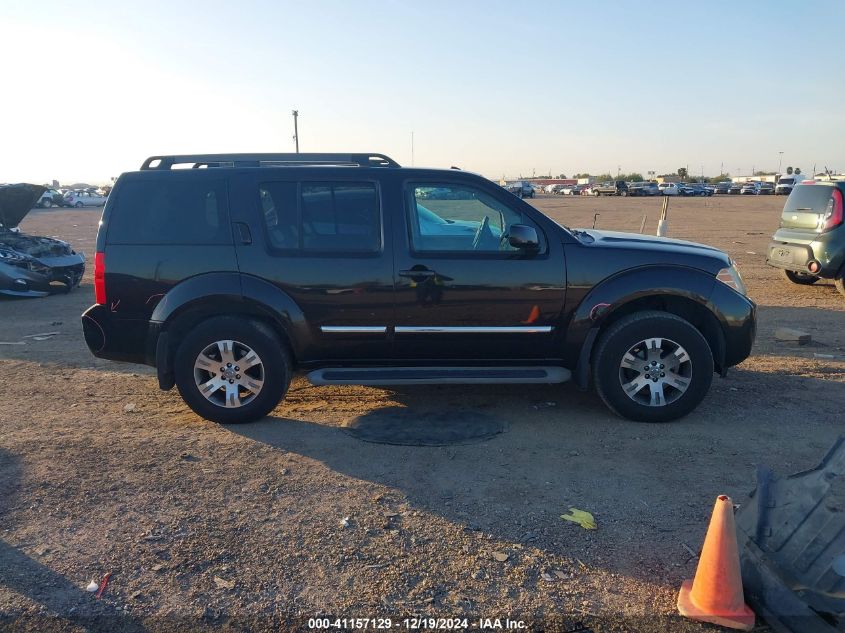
(472, 329)
(353, 329)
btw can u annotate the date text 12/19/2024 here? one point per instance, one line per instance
(417, 624)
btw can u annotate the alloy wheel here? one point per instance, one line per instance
(655, 372)
(229, 374)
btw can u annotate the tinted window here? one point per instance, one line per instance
(280, 211)
(813, 198)
(450, 218)
(170, 212)
(337, 217)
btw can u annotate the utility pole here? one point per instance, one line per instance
(296, 130)
(780, 160)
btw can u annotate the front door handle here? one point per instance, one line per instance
(243, 233)
(417, 274)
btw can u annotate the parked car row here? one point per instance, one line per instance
(71, 198)
(524, 189)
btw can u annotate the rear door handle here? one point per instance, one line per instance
(413, 274)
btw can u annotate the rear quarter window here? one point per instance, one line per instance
(170, 211)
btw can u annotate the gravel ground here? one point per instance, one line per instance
(241, 528)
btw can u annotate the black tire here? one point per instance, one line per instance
(78, 205)
(254, 334)
(621, 336)
(802, 279)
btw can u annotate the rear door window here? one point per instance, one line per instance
(170, 211)
(338, 217)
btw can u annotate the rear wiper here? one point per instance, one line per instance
(804, 209)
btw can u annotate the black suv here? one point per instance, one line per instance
(231, 276)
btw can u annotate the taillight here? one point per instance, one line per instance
(100, 278)
(833, 217)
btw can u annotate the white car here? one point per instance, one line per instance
(50, 198)
(669, 188)
(84, 199)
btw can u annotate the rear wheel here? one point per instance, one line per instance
(232, 369)
(78, 205)
(46, 203)
(802, 279)
(652, 367)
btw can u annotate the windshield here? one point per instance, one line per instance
(786, 181)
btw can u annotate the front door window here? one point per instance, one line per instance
(459, 219)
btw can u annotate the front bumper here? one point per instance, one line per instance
(738, 316)
(53, 274)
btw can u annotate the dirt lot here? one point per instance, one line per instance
(239, 528)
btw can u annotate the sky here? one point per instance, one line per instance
(90, 89)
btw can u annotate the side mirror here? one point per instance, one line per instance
(523, 236)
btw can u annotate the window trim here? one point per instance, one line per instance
(408, 198)
(299, 251)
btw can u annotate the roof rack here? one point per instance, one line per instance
(268, 160)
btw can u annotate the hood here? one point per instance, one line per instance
(16, 201)
(658, 249)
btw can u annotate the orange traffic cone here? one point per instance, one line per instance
(716, 593)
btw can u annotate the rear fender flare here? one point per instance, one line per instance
(212, 294)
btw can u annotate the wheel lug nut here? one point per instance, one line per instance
(228, 364)
(238, 376)
(231, 382)
(222, 369)
(238, 368)
(662, 375)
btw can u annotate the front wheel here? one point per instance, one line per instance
(623, 193)
(78, 205)
(802, 279)
(47, 204)
(652, 367)
(232, 369)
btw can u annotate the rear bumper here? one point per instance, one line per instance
(796, 257)
(115, 339)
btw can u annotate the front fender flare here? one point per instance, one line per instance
(613, 293)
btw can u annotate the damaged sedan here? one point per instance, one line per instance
(32, 266)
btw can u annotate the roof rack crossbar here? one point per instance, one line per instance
(267, 160)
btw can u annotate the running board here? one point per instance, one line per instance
(438, 375)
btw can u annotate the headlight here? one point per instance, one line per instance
(731, 277)
(10, 256)
(15, 259)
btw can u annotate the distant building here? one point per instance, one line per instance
(667, 178)
(773, 178)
